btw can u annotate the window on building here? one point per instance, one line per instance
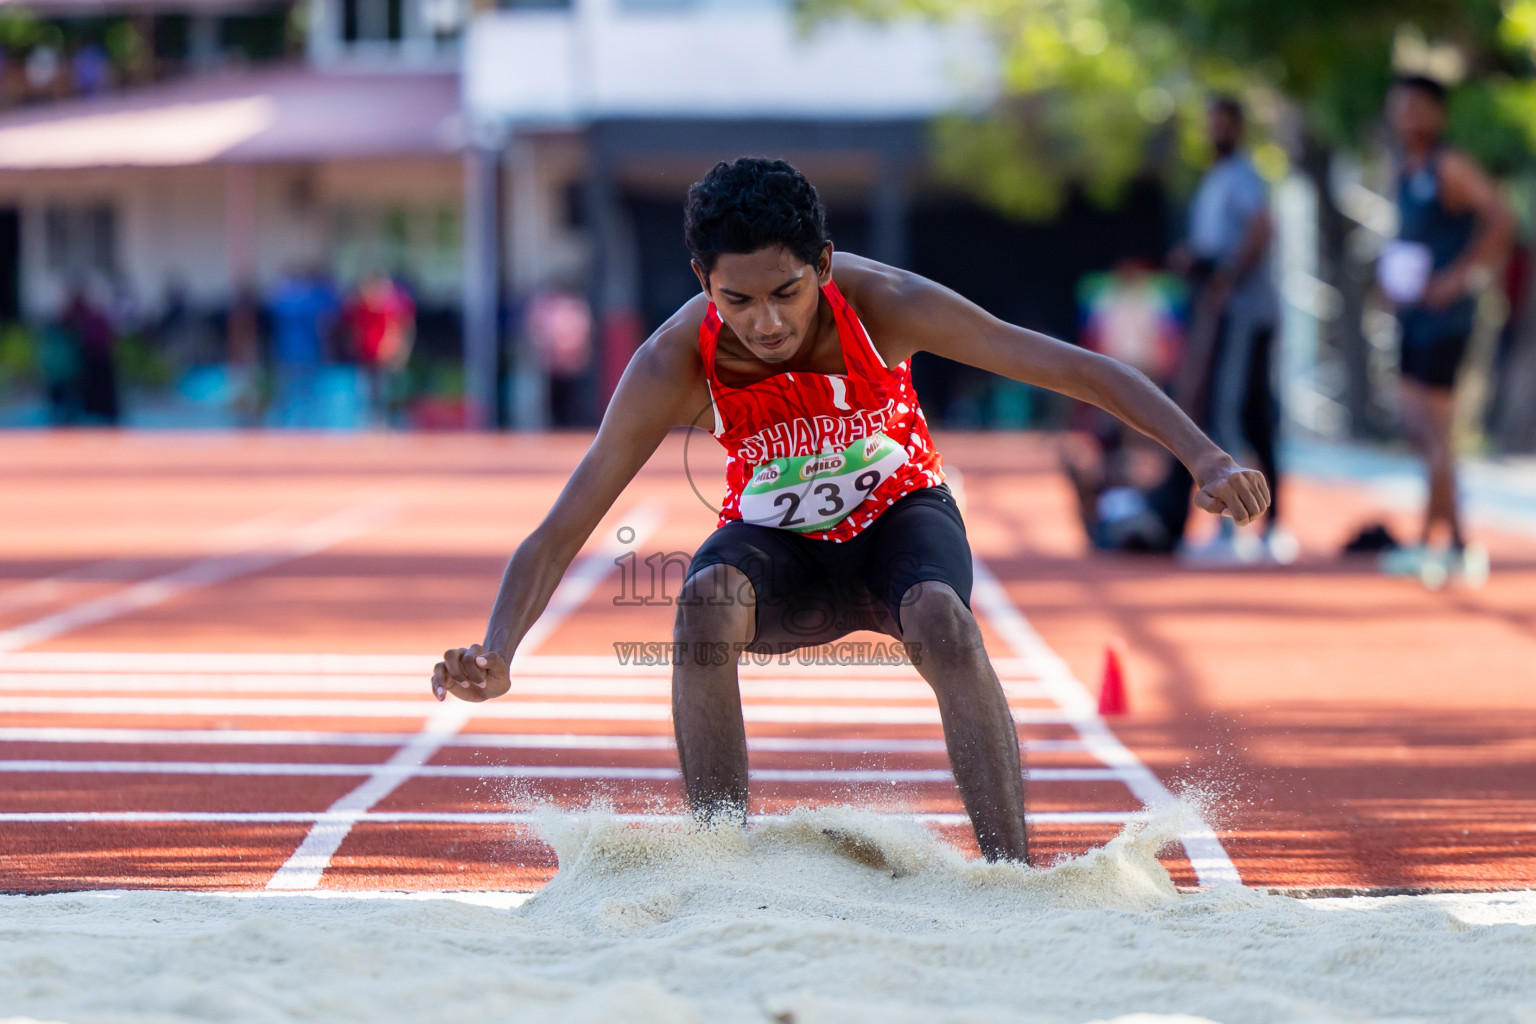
(372, 20)
(261, 35)
(534, 5)
(81, 240)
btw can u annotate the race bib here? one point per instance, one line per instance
(1403, 269)
(806, 493)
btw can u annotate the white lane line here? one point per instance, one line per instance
(239, 535)
(482, 817)
(532, 686)
(414, 666)
(313, 537)
(57, 588)
(519, 771)
(1206, 854)
(302, 870)
(565, 711)
(479, 740)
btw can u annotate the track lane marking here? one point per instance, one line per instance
(304, 868)
(245, 559)
(413, 666)
(519, 771)
(529, 686)
(487, 740)
(486, 817)
(1206, 854)
(541, 710)
(130, 569)
(564, 711)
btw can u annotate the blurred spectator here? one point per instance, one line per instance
(123, 309)
(91, 69)
(303, 308)
(95, 341)
(560, 331)
(381, 320)
(59, 360)
(42, 68)
(1227, 380)
(177, 331)
(1224, 378)
(1132, 314)
(243, 357)
(1454, 236)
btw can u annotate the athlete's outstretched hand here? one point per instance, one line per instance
(1231, 490)
(471, 673)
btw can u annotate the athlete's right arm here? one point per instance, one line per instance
(663, 387)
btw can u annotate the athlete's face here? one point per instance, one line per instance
(767, 298)
(1416, 117)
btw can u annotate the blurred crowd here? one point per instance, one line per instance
(1204, 326)
(272, 350)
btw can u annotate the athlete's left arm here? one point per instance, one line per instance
(910, 313)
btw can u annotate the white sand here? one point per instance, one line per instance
(874, 922)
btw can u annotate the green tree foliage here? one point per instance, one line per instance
(1091, 95)
(1094, 92)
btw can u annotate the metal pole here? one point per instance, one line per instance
(888, 212)
(482, 292)
(530, 383)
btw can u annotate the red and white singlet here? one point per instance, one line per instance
(765, 425)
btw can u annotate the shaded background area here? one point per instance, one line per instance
(181, 167)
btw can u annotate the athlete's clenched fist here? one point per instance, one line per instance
(1231, 490)
(471, 673)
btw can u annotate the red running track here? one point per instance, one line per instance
(213, 655)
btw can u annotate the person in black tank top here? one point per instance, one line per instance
(1454, 233)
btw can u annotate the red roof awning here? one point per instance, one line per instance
(251, 117)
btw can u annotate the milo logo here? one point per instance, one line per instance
(767, 475)
(822, 464)
(872, 445)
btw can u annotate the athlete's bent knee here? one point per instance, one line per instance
(717, 604)
(933, 614)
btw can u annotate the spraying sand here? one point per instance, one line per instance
(830, 915)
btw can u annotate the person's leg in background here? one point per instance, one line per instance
(1228, 395)
(1427, 396)
(1427, 413)
(1261, 428)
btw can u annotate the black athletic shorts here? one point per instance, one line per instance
(1434, 362)
(814, 591)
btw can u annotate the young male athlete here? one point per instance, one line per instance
(836, 515)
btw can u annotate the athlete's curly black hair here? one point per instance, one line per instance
(749, 204)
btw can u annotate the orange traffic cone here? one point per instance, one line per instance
(1112, 689)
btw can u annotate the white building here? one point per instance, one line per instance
(486, 154)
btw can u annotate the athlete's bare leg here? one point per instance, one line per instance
(1427, 416)
(706, 698)
(978, 727)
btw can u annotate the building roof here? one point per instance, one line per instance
(89, 8)
(291, 114)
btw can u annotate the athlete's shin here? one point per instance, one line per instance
(706, 698)
(979, 731)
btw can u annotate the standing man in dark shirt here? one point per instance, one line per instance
(1226, 258)
(1454, 234)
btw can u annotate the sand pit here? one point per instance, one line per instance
(826, 916)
